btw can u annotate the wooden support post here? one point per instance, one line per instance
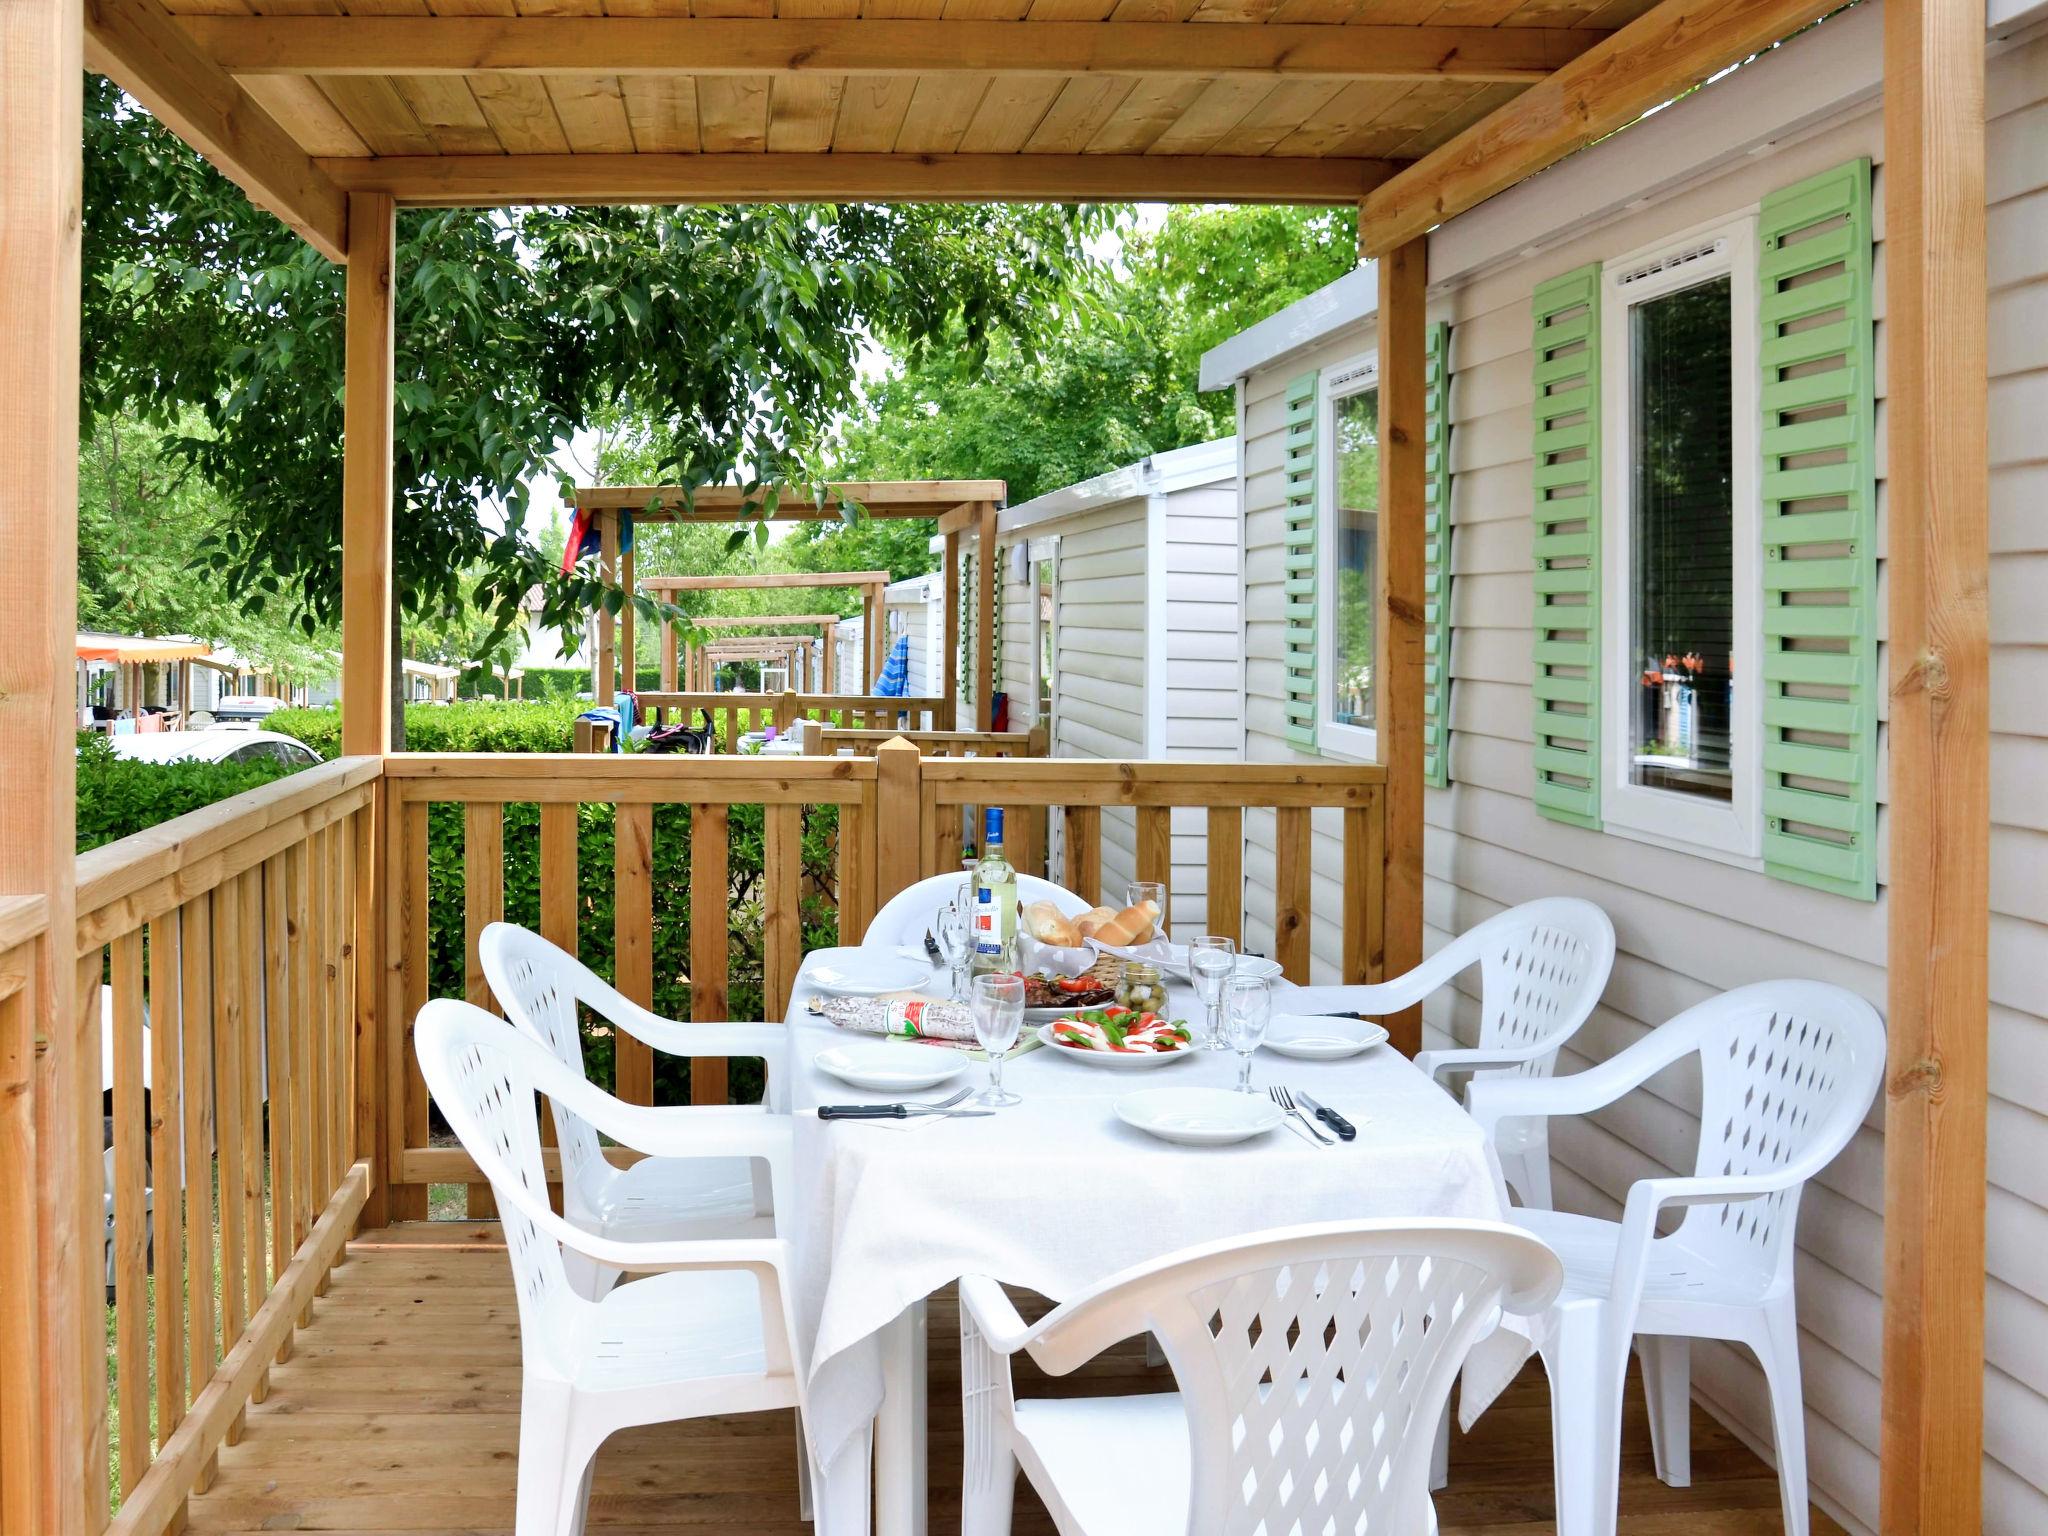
(629, 646)
(951, 601)
(366, 483)
(604, 681)
(1404, 299)
(1938, 569)
(899, 837)
(52, 1338)
(831, 657)
(985, 553)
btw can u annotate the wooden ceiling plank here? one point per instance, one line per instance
(1078, 113)
(1145, 114)
(1220, 108)
(802, 114)
(375, 110)
(1286, 107)
(592, 110)
(522, 114)
(1653, 59)
(450, 181)
(1342, 119)
(732, 113)
(303, 110)
(941, 108)
(1483, 102)
(413, 45)
(138, 45)
(1010, 113)
(870, 113)
(450, 113)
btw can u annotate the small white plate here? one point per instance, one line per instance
(891, 1068)
(1315, 1038)
(867, 973)
(1199, 1117)
(1124, 1061)
(1257, 966)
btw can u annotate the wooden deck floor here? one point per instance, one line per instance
(398, 1413)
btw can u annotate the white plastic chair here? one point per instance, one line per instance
(907, 916)
(659, 1199)
(1313, 1364)
(1542, 967)
(710, 1332)
(1788, 1070)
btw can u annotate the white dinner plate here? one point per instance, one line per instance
(1315, 1038)
(868, 973)
(1116, 1061)
(1257, 966)
(888, 1067)
(1199, 1117)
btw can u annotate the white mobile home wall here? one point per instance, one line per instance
(1690, 926)
(913, 610)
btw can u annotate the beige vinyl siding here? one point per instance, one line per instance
(1016, 669)
(1203, 720)
(1689, 926)
(917, 619)
(1099, 588)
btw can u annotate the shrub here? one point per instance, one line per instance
(468, 725)
(118, 796)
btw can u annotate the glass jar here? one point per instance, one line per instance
(1141, 988)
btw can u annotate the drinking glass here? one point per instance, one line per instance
(1140, 891)
(1247, 1010)
(1211, 959)
(998, 1004)
(954, 937)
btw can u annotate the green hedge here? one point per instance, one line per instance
(119, 796)
(479, 725)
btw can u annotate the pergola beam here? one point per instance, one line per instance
(788, 46)
(137, 45)
(764, 581)
(1648, 62)
(722, 503)
(462, 181)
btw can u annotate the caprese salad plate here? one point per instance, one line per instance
(1118, 1038)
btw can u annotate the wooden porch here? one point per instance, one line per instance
(399, 1413)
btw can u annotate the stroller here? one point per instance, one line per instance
(702, 741)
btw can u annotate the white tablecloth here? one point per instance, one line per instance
(1057, 1193)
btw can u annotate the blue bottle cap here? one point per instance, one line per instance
(992, 824)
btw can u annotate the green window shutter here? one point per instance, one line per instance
(1436, 555)
(1567, 547)
(1819, 665)
(1299, 471)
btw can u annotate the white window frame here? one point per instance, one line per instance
(1354, 376)
(1730, 831)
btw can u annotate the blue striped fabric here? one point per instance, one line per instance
(895, 680)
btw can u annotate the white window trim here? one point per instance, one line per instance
(1732, 832)
(1334, 737)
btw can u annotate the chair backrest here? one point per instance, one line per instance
(1788, 1070)
(481, 1072)
(1313, 1361)
(1542, 966)
(537, 984)
(907, 916)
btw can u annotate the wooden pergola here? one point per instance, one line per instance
(333, 121)
(681, 666)
(870, 585)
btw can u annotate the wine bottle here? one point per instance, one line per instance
(995, 904)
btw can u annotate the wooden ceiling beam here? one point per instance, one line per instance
(137, 45)
(764, 581)
(723, 503)
(1653, 59)
(679, 45)
(461, 181)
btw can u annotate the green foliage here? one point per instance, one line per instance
(1119, 379)
(118, 796)
(467, 725)
(740, 329)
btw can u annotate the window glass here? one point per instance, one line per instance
(1681, 527)
(1357, 513)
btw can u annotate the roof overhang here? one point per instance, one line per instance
(1161, 474)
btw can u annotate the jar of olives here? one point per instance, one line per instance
(1141, 988)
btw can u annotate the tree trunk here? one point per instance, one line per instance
(397, 683)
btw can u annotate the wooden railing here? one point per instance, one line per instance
(735, 714)
(226, 941)
(675, 840)
(823, 740)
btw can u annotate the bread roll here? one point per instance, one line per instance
(1091, 921)
(1046, 923)
(1131, 926)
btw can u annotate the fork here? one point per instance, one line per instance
(1285, 1100)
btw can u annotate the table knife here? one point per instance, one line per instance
(888, 1111)
(1345, 1130)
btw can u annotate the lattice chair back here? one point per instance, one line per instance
(537, 984)
(1314, 1362)
(907, 916)
(1788, 1070)
(481, 1071)
(1542, 966)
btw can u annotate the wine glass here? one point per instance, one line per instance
(1247, 1010)
(954, 936)
(998, 1003)
(1138, 892)
(1211, 959)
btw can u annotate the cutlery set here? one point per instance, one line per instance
(1294, 1104)
(898, 1111)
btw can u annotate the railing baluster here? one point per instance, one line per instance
(406, 1088)
(782, 938)
(633, 942)
(1155, 845)
(1293, 867)
(131, 1223)
(1226, 872)
(1357, 882)
(483, 903)
(710, 893)
(253, 1251)
(167, 1164)
(280, 1062)
(1084, 851)
(196, 973)
(230, 1026)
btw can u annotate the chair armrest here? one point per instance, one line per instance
(1467, 1059)
(1494, 1099)
(674, 1038)
(759, 1254)
(990, 1307)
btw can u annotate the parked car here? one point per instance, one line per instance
(246, 706)
(238, 746)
